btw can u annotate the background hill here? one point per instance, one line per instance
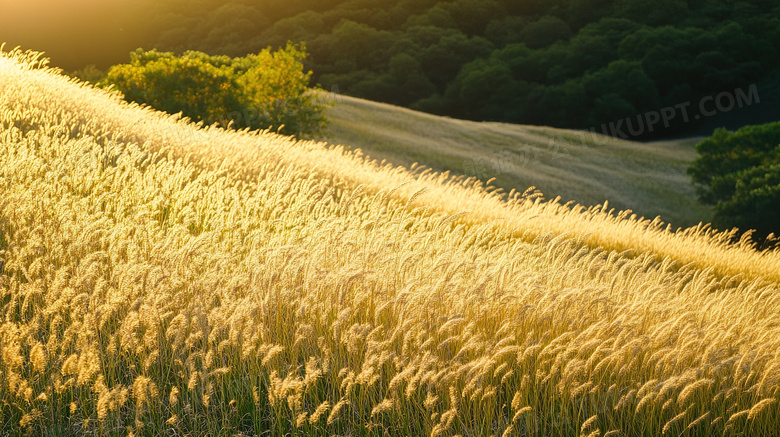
(563, 63)
(649, 178)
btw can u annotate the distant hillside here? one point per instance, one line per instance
(648, 178)
(563, 63)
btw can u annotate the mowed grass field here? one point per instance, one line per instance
(162, 279)
(589, 169)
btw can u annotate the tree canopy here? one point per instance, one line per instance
(565, 63)
(739, 173)
(266, 90)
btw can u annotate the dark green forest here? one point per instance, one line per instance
(564, 63)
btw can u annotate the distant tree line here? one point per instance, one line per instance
(565, 63)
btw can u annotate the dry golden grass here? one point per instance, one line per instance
(163, 279)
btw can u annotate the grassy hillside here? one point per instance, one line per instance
(162, 279)
(648, 178)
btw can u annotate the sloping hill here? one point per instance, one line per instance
(157, 278)
(648, 178)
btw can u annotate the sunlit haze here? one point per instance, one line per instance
(73, 33)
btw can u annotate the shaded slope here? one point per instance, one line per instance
(648, 178)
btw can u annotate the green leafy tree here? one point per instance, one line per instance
(655, 12)
(268, 90)
(472, 88)
(435, 17)
(352, 44)
(624, 78)
(582, 12)
(303, 27)
(506, 30)
(443, 60)
(739, 173)
(195, 84)
(755, 203)
(472, 16)
(277, 86)
(545, 32)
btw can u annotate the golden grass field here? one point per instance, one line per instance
(162, 279)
